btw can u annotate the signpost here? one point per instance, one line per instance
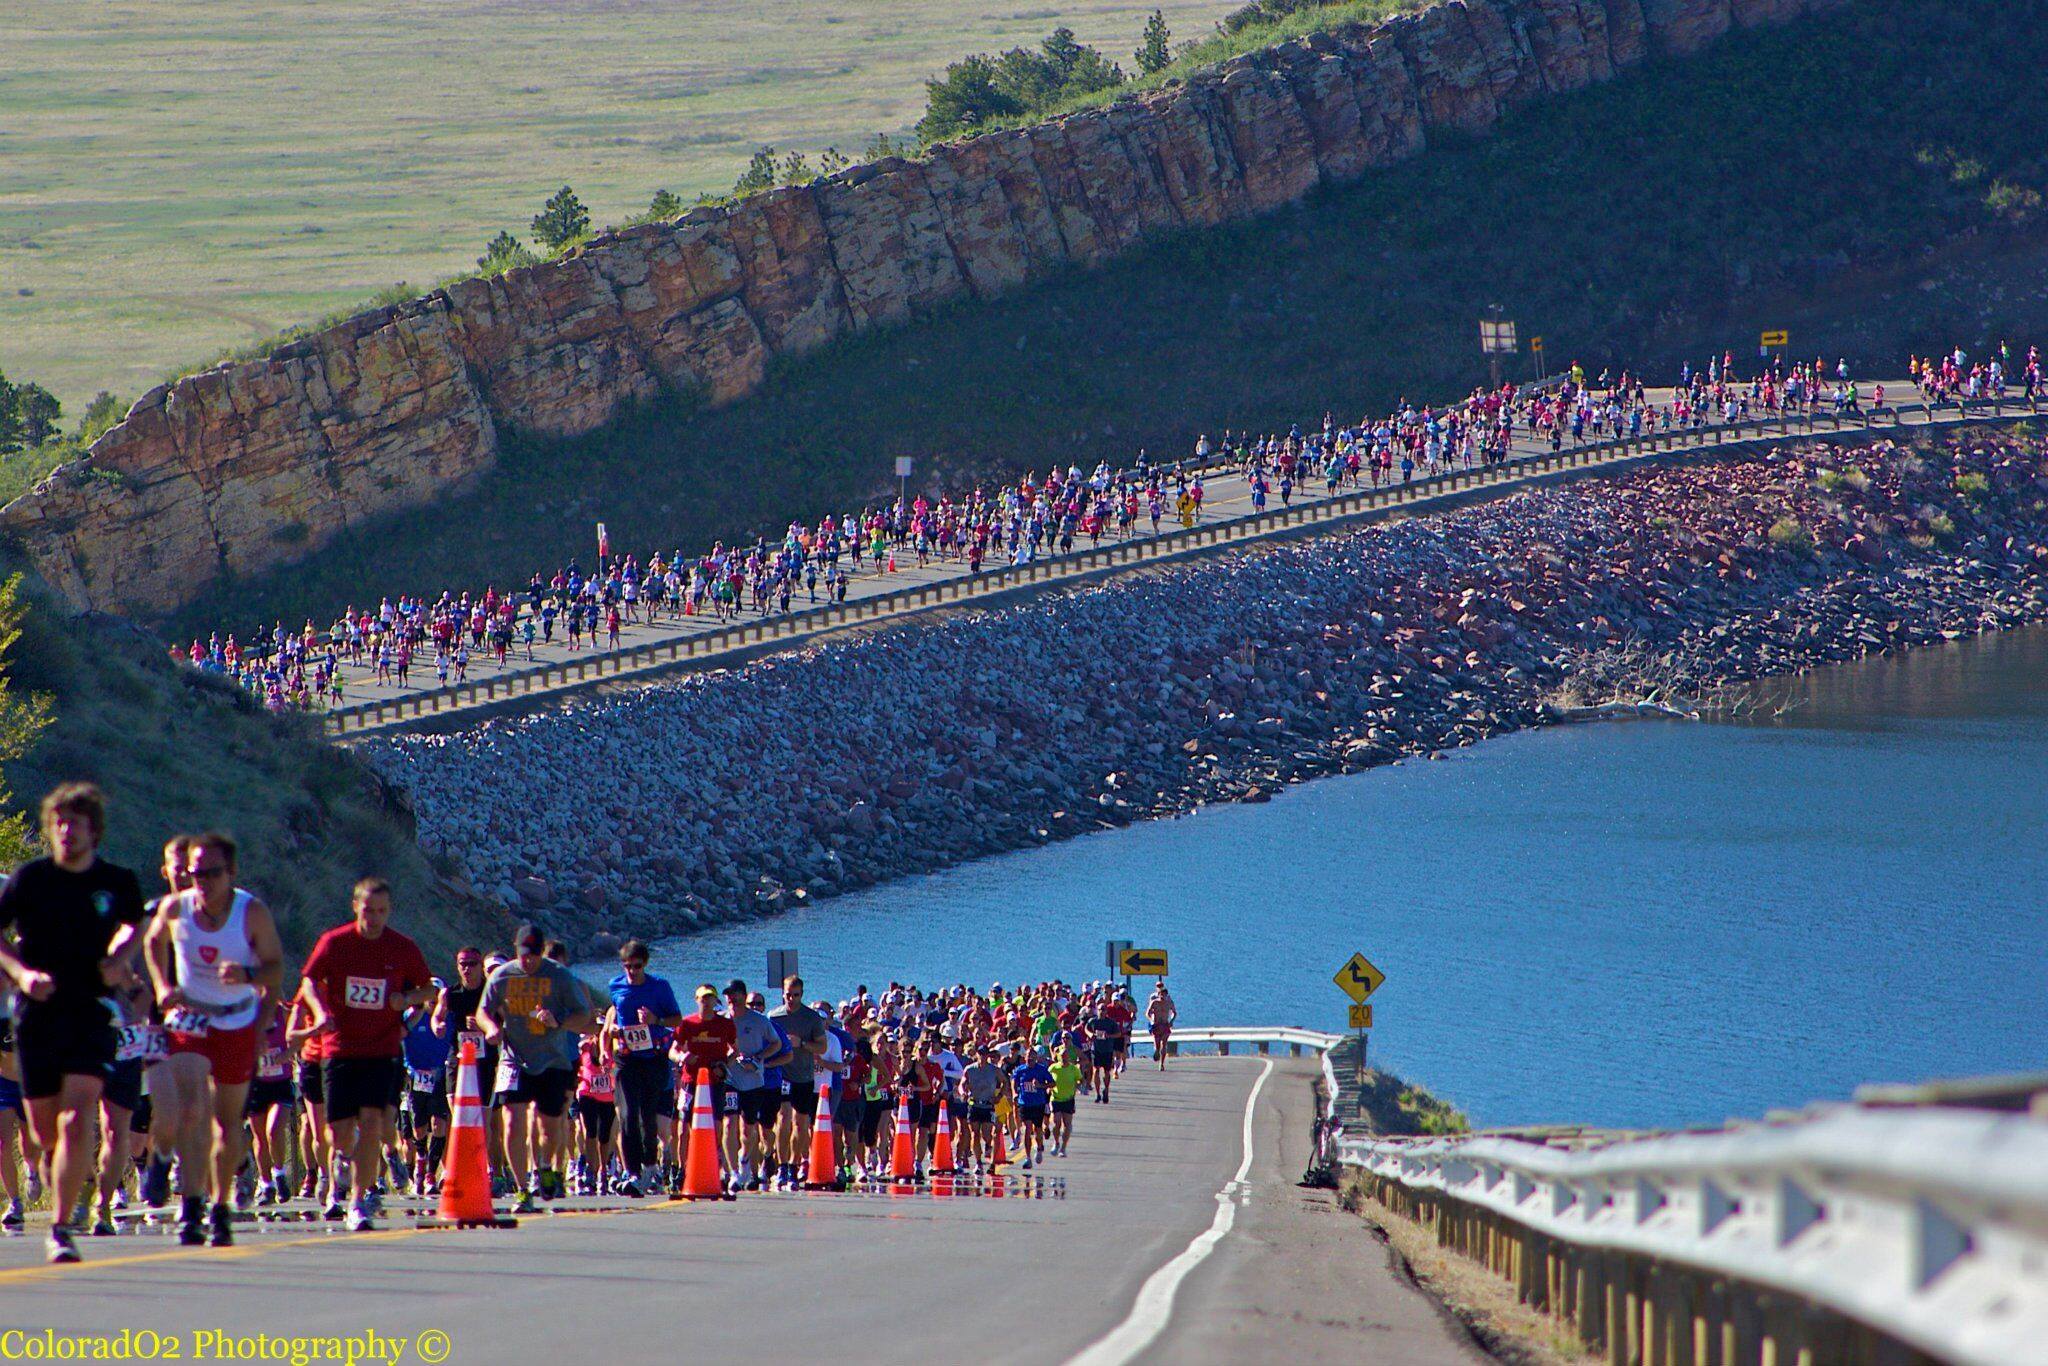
(1358, 979)
(1779, 339)
(1496, 339)
(781, 967)
(1142, 962)
(903, 481)
(1536, 355)
(1115, 953)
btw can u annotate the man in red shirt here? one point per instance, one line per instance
(702, 1040)
(361, 978)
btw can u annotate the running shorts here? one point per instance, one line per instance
(64, 1042)
(124, 1085)
(548, 1092)
(1063, 1107)
(428, 1107)
(10, 1097)
(871, 1115)
(596, 1116)
(760, 1105)
(848, 1114)
(981, 1114)
(956, 1112)
(1105, 1052)
(804, 1100)
(925, 1113)
(312, 1082)
(270, 1092)
(354, 1085)
(1031, 1114)
(232, 1052)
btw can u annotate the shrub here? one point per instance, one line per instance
(1789, 536)
(562, 219)
(502, 253)
(1942, 525)
(1974, 487)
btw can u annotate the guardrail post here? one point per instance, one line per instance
(1222, 1048)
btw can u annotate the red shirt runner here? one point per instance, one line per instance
(359, 979)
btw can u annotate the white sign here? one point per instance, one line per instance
(1497, 338)
(781, 967)
(902, 467)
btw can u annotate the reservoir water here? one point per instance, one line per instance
(1633, 923)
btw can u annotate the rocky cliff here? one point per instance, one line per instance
(248, 466)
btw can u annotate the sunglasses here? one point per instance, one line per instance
(210, 871)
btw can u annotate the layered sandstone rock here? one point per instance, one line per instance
(249, 466)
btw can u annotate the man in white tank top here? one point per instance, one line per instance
(217, 964)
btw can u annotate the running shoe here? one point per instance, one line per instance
(359, 1220)
(192, 1223)
(1027, 1164)
(58, 1248)
(155, 1186)
(266, 1195)
(527, 1204)
(120, 1197)
(628, 1188)
(222, 1234)
(103, 1226)
(13, 1218)
(333, 1212)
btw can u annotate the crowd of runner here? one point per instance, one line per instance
(151, 1039)
(434, 639)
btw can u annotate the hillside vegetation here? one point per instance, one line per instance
(192, 177)
(1827, 177)
(178, 751)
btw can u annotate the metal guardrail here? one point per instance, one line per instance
(1259, 1038)
(1813, 1240)
(905, 602)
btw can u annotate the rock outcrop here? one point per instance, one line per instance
(252, 465)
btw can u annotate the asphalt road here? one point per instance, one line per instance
(1038, 1273)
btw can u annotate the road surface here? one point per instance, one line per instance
(1048, 1272)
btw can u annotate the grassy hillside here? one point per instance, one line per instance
(176, 752)
(184, 178)
(1850, 179)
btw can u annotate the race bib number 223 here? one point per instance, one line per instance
(365, 993)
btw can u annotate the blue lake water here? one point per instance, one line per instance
(1635, 923)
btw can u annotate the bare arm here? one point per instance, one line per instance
(157, 954)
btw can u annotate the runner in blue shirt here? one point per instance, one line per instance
(644, 1010)
(1033, 1083)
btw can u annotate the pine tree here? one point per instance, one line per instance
(1155, 54)
(21, 721)
(664, 206)
(561, 220)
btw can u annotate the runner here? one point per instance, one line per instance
(1032, 1084)
(360, 980)
(1066, 1084)
(216, 961)
(1101, 1028)
(1160, 1013)
(13, 1116)
(427, 1059)
(74, 918)
(704, 1042)
(803, 1028)
(757, 1046)
(153, 1048)
(985, 1084)
(534, 1008)
(597, 1112)
(643, 1011)
(273, 1102)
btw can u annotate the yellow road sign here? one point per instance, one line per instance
(1142, 962)
(1359, 978)
(1361, 1017)
(1535, 343)
(1777, 338)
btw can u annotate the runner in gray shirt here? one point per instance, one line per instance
(757, 1046)
(984, 1082)
(535, 1008)
(806, 1032)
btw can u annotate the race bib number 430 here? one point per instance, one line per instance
(365, 993)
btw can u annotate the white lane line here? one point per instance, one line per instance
(1154, 1306)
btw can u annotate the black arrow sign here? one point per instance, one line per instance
(1140, 961)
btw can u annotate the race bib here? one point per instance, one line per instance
(270, 1067)
(421, 1081)
(636, 1038)
(179, 1020)
(364, 993)
(473, 1039)
(140, 1043)
(508, 1072)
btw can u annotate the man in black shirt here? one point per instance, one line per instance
(74, 919)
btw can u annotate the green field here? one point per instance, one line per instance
(182, 178)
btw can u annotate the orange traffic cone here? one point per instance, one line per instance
(824, 1173)
(903, 1155)
(466, 1176)
(942, 1146)
(1002, 1151)
(701, 1179)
